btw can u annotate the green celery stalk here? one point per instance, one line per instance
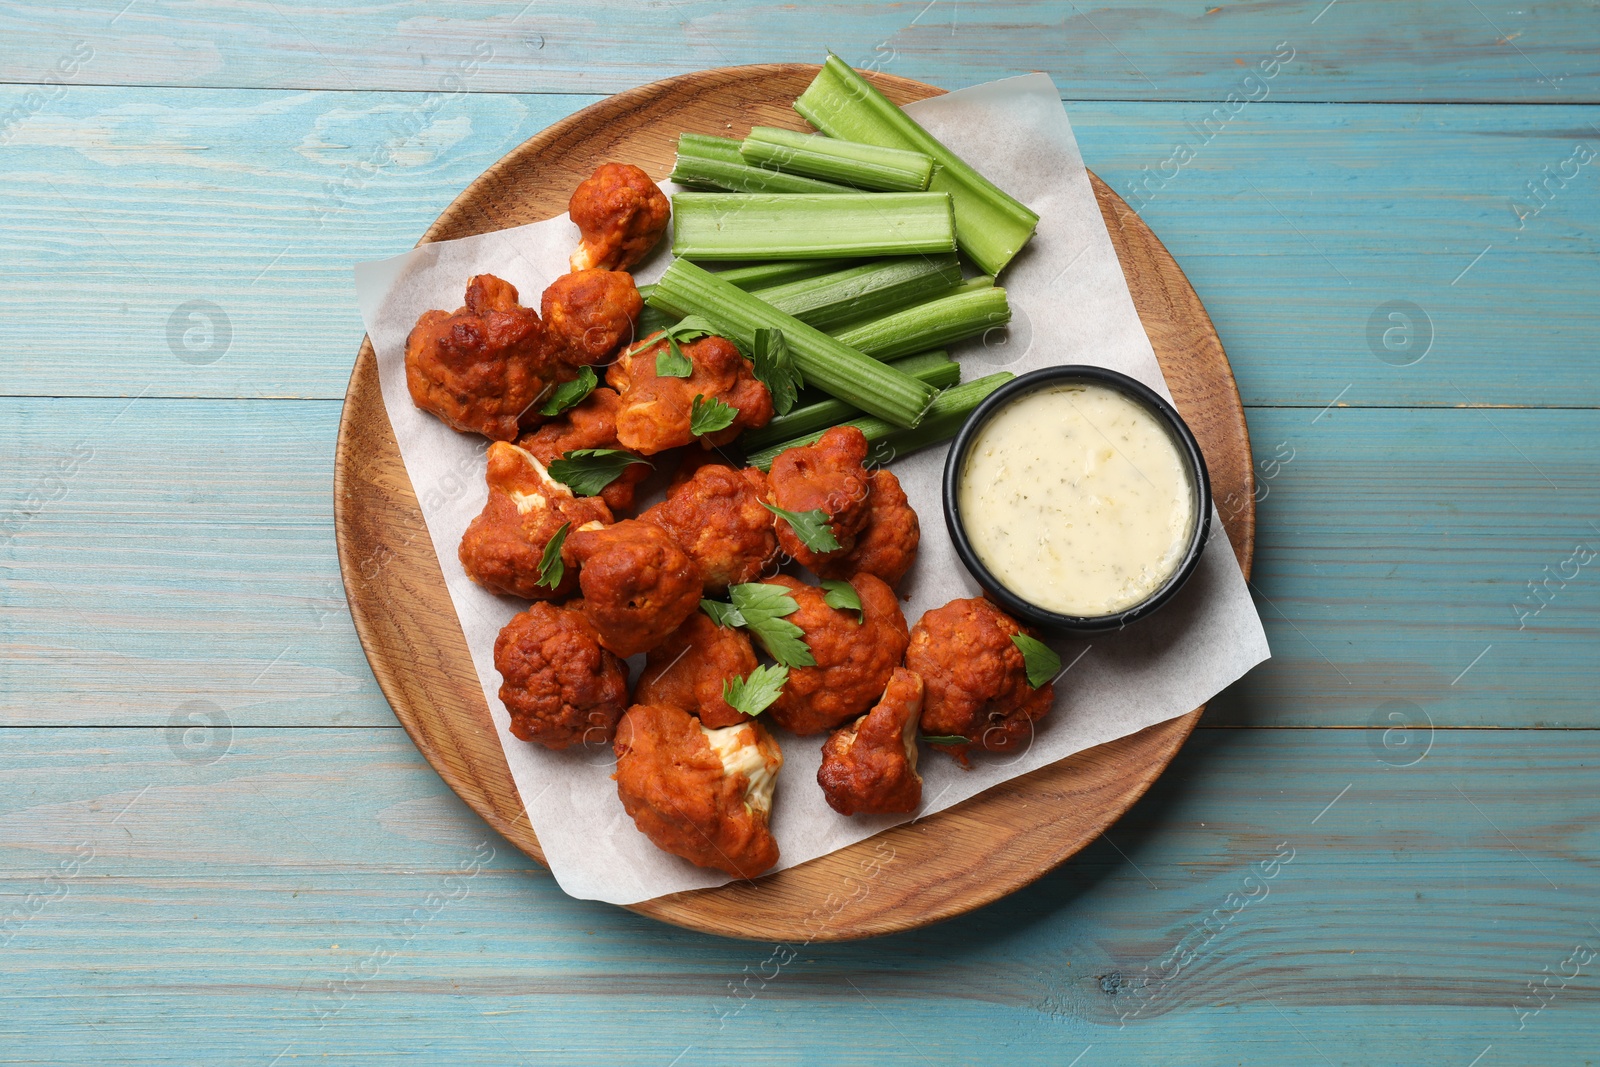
(937, 322)
(949, 410)
(991, 226)
(935, 368)
(746, 278)
(715, 162)
(872, 289)
(806, 226)
(686, 289)
(863, 166)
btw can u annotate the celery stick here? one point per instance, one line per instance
(943, 421)
(863, 166)
(937, 322)
(715, 161)
(762, 275)
(686, 289)
(990, 225)
(872, 289)
(805, 226)
(935, 368)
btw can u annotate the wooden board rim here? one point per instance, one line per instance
(440, 718)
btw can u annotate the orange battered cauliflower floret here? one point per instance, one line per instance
(870, 766)
(717, 516)
(482, 367)
(589, 314)
(887, 544)
(592, 424)
(657, 411)
(855, 658)
(620, 213)
(702, 794)
(976, 678)
(559, 685)
(504, 545)
(638, 585)
(689, 670)
(825, 476)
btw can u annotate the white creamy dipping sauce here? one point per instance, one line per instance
(1077, 498)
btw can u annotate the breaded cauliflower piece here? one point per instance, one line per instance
(561, 688)
(855, 658)
(870, 766)
(887, 544)
(592, 424)
(504, 545)
(702, 794)
(976, 678)
(589, 314)
(716, 515)
(657, 411)
(826, 476)
(689, 670)
(638, 584)
(620, 213)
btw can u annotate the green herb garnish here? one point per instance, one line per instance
(586, 471)
(810, 526)
(710, 415)
(756, 691)
(946, 739)
(842, 595)
(1042, 664)
(776, 369)
(672, 363)
(762, 608)
(571, 394)
(551, 569)
(722, 614)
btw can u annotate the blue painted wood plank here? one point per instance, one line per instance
(1154, 49)
(1295, 222)
(188, 554)
(320, 892)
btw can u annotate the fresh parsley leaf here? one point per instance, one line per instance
(722, 614)
(671, 362)
(756, 691)
(709, 415)
(776, 369)
(551, 569)
(810, 526)
(842, 595)
(946, 739)
(763, 608)
(571, 394)
(586, 471)
(1042, 663)
(691, 328)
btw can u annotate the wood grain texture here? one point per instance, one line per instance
(126, 204)
(1155, 49)
(306, 890)
(1008, 835)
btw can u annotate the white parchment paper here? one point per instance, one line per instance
(1071, 305)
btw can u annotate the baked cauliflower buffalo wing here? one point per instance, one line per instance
(559, 685)
(592, 424)
(481, 367)
(887, 544)
(976, 679)
(504, 545)
(638, 585)
(716, 515)
(620, 214)
(657, 410)
(702, 794)
(826, 475)
(690, 669)
(870, 766)
(855, 657)
(589, 314)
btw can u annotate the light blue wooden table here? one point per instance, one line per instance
(217, 846)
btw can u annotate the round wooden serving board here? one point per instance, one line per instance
(935, 868)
